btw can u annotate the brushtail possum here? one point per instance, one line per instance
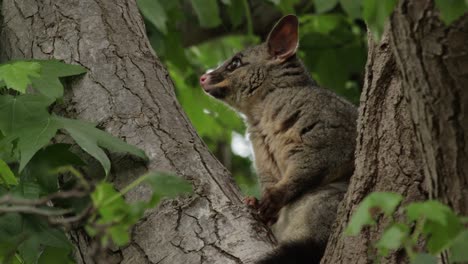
(303, 139)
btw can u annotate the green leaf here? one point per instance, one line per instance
(10, 227)
(16, 112)
(322, 6)
(373, 204)
(107, 200)
(392, 238)
(336, 79)
(153, 11)
(324, 24)
(430, 210)
(34, 136)
(37, 234)
(8, 254)
(114, 210)
(458, 250)
(91, 139)
(54, 255)
(26, 118)
(27, 188)
(451, 10)
(30, 250)
(207, 12)
(376, 13)
(48, 83)
(120, 234)
(236, 11)
(441, 223)
(8, 151)
(166, 185)
(43, 166)
(423, 258)
(121, 216)
(16, 74)
(352, 8)
(6, 175)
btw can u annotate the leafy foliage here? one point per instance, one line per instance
(371, 206)
(429, 221)
(7, 177)
(451, 10)
(41, 183)
(17, 75)
(376, 13)
(207, 12)
(114, 217)
(25, 118)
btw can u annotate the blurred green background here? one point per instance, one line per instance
(191, 37)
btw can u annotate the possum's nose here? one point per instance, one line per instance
(204, 79)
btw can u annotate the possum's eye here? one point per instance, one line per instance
(234, 64)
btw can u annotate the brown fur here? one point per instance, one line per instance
(303, 136)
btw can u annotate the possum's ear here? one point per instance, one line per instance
(283, 39)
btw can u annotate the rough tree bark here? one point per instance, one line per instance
(386, 156)
(129, 93)
(433, 60)
(413, 122)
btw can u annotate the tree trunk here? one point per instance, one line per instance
(386, 156)
(413, 123)
(433, 59)
(129, 93)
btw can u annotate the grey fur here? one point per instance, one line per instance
(303, 136)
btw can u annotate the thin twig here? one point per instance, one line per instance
(8, 199)
(33, 210)
(69, 220)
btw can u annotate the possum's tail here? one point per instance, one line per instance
(297, 252)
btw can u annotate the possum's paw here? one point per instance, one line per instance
(251, 201)
(269, 206)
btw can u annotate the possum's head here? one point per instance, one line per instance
(254, 72)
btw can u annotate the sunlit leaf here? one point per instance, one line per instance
(374, 204)
(392, 238)
(430, 210)
(441, 224)
(16, 75)
(6, 175)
